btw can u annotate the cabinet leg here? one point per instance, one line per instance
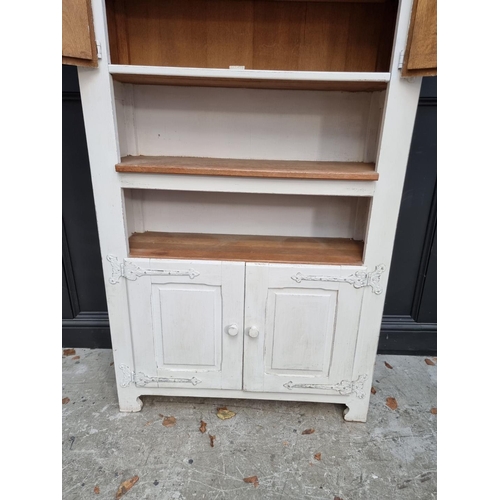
(357, 410)
(129, 401)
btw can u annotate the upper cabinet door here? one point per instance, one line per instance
(78, 40)
(421, 47)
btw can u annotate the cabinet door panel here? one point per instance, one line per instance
(78, 40)
(421, 46)
(184, 339)
(306, 329)
(299, 326)
(180, 319)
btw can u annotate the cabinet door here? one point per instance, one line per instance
(78, 40)
(187, 321)
(300, 328)
(421, 46)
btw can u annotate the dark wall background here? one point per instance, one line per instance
(84, 312)
(410, 316)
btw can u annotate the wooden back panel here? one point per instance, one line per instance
(256, 34)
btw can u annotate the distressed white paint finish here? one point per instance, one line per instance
(397, 128)
(251, 123)
(102, 141)
(124, 104)
(361, 218)
(254, 74)
(307, 330)
(179, 323)
(133, 200)
(195, 391)
(359, 279)
(236, 213)
(187, 326)
(218, 184)
(121, 120)
(373, 125)
(299, 331)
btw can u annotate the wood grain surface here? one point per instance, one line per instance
(249, 168)
(421, 48)
(257, 34)
(276, 249)
(78, 40)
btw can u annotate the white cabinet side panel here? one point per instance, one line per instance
(102, 140)
(396, 134)
(373, 123)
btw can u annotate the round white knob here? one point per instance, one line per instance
(232, 330)
(253, 332)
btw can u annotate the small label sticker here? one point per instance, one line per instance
(236, 67)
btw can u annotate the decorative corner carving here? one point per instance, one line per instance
(116, 269)
(127, 376)
(131, 271)
(358, 280)
(344, 388)
(141, 380)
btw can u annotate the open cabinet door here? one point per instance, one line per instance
(78, 40)
(421, 48)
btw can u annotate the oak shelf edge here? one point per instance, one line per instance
(283, 169)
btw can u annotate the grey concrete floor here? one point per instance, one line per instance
(392, 456)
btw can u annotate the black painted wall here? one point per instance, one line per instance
(85, 317)
(410, 314)
(409, 324)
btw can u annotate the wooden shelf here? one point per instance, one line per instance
(282, 169)
(263, 79)
(276, 249)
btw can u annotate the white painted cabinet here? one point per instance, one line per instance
(247, 163)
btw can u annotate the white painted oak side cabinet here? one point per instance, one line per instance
(248, 159)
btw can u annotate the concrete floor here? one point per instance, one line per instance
(392, 456)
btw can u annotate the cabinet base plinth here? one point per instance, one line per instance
(356, 411)
(129, 401)
(129, 398)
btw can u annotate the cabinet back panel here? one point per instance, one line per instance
(251, 214)
(248, 123)
(257, 34)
